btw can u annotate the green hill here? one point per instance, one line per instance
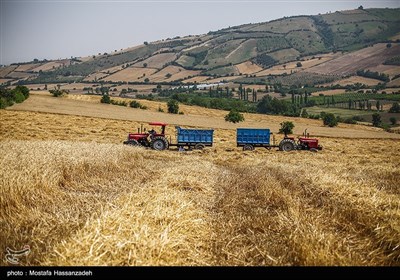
(215, 54)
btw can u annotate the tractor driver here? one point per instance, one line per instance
(152, 132)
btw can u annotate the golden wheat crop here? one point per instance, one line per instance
(194, 116)
(71, 191)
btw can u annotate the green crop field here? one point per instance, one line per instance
(344, 113)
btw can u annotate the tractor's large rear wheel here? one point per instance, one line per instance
(159, 143)
(287, 145)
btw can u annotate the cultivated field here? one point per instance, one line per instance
(248, 67)
(394, 83)
(131, 74)
(176, 73)
(77, 196)
(328, 92)
(51, 65)
(355, 79)
(157, 61)
(363, 59)
(90, 106)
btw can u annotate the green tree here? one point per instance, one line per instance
(234, 116)
(395, 108)
(105, 99)
(144, 65)
(378, 105)
(19, 97)
(376, 119)
(286, 128)
(22, 89)
(329, 119)
(173, 106)
(298, 64)
(269, 105)
(393, 120)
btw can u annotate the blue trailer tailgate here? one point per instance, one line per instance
(252, 136)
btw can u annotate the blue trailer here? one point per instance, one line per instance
(158, 140)
(193, 138)
(249, 138)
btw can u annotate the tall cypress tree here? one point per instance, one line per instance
(305, 97)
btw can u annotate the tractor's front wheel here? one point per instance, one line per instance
(159, 143)
(132, 142)
(287, 145)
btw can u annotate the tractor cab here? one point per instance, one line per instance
(162, 131)
(307, 143)
(149, 138)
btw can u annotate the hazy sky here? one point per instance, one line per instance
(60, 29)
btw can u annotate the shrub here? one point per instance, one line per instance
(393, 120)
(8, 97)
(58, 92)
(234, 116)
(3, 103)
(350, 121)
(23, 89)
(329, 119)
(119, 103)
(314, 117)
(385, 126)
(173, 106)
(135, 104)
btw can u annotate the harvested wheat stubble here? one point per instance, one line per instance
(87, 203)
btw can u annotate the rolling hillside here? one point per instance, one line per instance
(324, 44)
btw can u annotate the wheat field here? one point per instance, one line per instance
(71, 191)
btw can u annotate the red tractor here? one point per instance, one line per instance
(151, 138)
(303, 143)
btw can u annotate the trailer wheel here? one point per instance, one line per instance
(287, 145)
(248, 148)
(159, 143)
(199, 146)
